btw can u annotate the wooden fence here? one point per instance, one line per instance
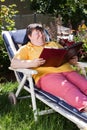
(22, 21)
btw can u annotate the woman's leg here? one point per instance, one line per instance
(58, 85)
(77, 80)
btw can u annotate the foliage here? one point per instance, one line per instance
(68, 9)
(7, 14)
(82, 36)
(6, 23)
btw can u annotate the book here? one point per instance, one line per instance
(58, 56)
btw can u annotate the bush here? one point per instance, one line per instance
(7, 23)
(82, 36)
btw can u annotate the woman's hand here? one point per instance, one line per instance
(74, 60)
(37, 62)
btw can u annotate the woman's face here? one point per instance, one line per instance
(37, 37)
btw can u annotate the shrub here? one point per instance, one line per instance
(6, 23)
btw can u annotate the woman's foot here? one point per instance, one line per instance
(84, 114)
(85, 109)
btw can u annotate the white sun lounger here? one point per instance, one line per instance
(13, 40)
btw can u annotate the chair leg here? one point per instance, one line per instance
(33, 98)
(21, 85)
(84, 128)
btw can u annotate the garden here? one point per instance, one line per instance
(20, 116)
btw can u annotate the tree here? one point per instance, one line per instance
(68, 9)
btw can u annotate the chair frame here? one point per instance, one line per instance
(73, 114)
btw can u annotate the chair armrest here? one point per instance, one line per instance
(25, 71)
(82, 66)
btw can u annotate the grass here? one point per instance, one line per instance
(20, 116)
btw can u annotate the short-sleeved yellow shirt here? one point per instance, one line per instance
(30, 51)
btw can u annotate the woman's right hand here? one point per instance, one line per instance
(38, 62)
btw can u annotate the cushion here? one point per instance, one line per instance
(19, 36)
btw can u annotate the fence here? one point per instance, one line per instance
(22, 21)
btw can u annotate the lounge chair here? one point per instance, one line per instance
(13, 40)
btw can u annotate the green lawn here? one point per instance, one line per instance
(20, 116)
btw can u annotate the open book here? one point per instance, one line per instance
(56, 57)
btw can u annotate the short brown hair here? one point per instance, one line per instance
(33, 26)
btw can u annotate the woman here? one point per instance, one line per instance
(60, 81)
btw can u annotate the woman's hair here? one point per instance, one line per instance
(33, 26)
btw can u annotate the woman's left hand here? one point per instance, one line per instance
(74, 60)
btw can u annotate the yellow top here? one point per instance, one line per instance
(30, 51)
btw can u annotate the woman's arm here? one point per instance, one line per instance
(17, 63)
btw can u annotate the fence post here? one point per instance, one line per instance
(35, 17)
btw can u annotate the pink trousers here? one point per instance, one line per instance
(70, 86)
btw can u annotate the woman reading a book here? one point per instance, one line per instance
(60, 81)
